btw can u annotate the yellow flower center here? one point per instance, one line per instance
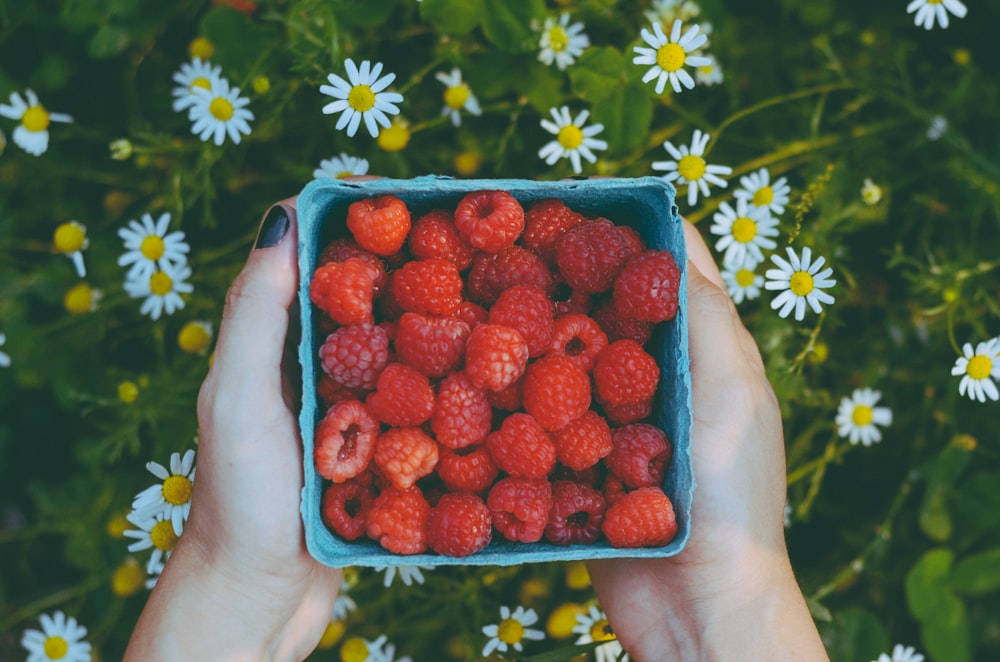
(562, 620)
(163, 535)
(744, 278)
(670, 57)
(195, 337)
(691, 167)
(744, 230)
(35, 118)
(55, 647)
(152, 247)
(801, 283)
(570, 137)
(934, 2)
(354, 650)
(862, 415)
(558, 39)
(601, 631)
(979, 367)
(361, 98)
(395, 138)
(510, 631)
(79, 299)
(177, 490)
(117, 525)
(261, 84)
(160, 283)
(962, 56)
(69, 237)
(221, 109)
(467, 163)
(333, 633)
(344, 174)
(201, 47)
(201, 82)
(763, 196)
(456, 96)
(128, 578)
(820, 352)
(128, 392)
(577, 576)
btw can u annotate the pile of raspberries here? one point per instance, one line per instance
(485, 370)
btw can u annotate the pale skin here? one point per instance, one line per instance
(240, 584)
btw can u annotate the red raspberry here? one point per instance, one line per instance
(462, 414)
(614, 488)
(404, 455)
(433, 345)
(489, 220)
(582, 443)
(529, 311)
(398, 520)
(495, 356)
(428, 286)
(520, 507)
(345, 508)
(579, 338)
(591, 254)
(492, 273)
(646, 289)
(344, 290)
(354, 355)
(593, 476)
(643, 518)
(555, 391)
(625, 373)
(566, 301)
(577, 514)
(345, 441)
(640, 456)
(630, 412)
(620, 327)
(341, 249)
(379, 225)
(331, 392)
(403, 397)
(521, 447)
(459, 525)
(635, 242)
(434, 235)
(545, 222)
(472, 313)
(468, 469)
(507, 398)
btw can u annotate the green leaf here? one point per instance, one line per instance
(542, 86)
(508, 23)
(108, 41)
(927, 584)
(239, 42)
(947, 637)
(935, 515)
(978, 574)
(364, 13)
(452, 16)
(598, 73)
(854, 635)
(626, 115)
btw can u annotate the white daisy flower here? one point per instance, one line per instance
(669, 55)
(743, 232)
(171, 496)
(220, 111)
(689, 167)
(802, 282)
(33, 134)
(742, 281)
(361, 96)
(70, 239)
(162, 290)
(593, 626)
(901, 653)
(457, 96)
(60, 638)
(148, 246)
(668, 11)
(871, 192)
(561, 42)
(511, 631)
(341, 167)
(573, 138)
(977, 367)
(4, 356)
(196, 73)
(710, 73)
(757, 189)
(858, 417)
(938, 127)
(931, 11)
(156, 533)
(408, 574)
(153, 573)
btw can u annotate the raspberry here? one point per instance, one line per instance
(508, 398)
(566, 300)
(592, 476)
(625, 373)
(643, 518)
(344, 290)
(591, 254)
(521, 447)
(492, 273)
(520, 507)
(582, 443)
(331, 392)
(614, 488)
(345, 441)
(577, 514)
(341, 249)
(529, 311)
(646, 288)
(472, 313)
(404, 455)
(620, 327)
(432, 345)
(403, 397)
(468, 469)
(495, 356)
(630, 412)
(398, 520)
(459, 525)
(545, 222)
(434, 235)
(489, 220)
(579, 338)
(634, 240)
(354, 355)
(379, 225)
(640, 456)
(345, 508)
(555, 391)
(462, 414)
(428, 286)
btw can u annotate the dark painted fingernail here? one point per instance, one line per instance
(273, 229)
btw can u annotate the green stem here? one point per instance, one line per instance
(51, 600)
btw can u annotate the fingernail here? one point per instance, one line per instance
(273, 228)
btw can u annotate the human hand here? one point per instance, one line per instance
(240, 584)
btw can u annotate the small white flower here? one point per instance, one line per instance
(171, 496)
(511, 631)
(594, 626)
(153, 572)
(669, 55)
(668, 11)
(929, 11)
(742, 281)
(340, 167)
(60, 638)
(710, 73)
(196, 73)
(162, 290)
(156, 533)
(801, 282)
(561, 42)
(70, 239)
(573, 138)
(871, 192)
(33, 134)
(743, 232)
(978, 368)
(218, 112)
(457, 96)
(4, 356)
(361, 96)
(689, 167)
(757, 189)
(901, 653)
(408, 574)
(858, 417)
(148, 246)
(937, 127)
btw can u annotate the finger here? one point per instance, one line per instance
(702, 257)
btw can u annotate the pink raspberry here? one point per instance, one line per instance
(355, 355)
(495, 356)
(520, 507)
(398, 520)
(528, 310)
(555, 391)
(643, 518)
(345, 290)
(341, 249)
(462, 413)
(546, 221)
(345, 507)
(433, 345)
(468, 469)
(489, 220)
(459, 525)
(492, 273)
(579, 338)
(379, 225)
(620, 327)
(428, 286)
(629, 412)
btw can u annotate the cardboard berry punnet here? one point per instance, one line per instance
(645, 204)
